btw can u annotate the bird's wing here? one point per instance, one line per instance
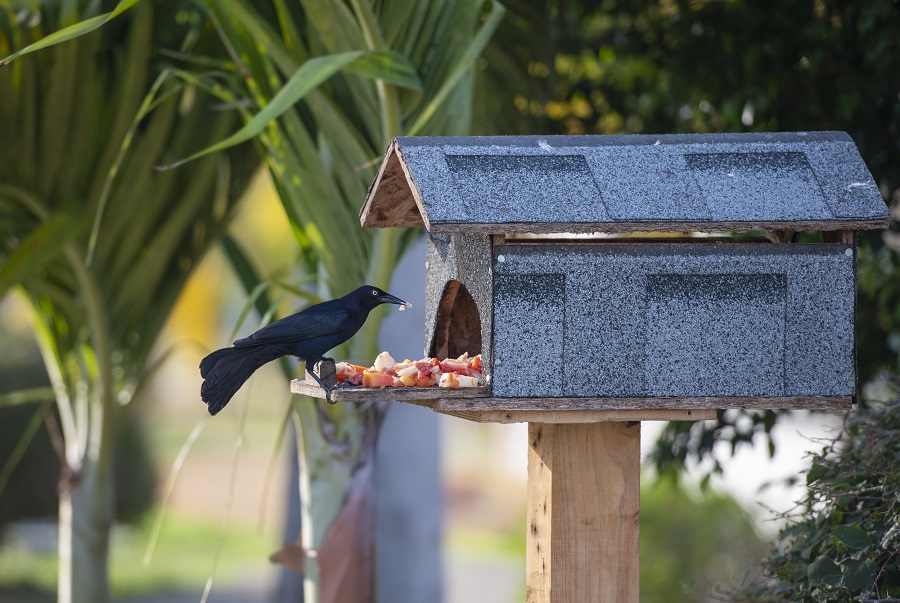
(312, 322)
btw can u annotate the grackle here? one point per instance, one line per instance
(307, 335)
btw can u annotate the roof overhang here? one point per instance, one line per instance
(612, 184)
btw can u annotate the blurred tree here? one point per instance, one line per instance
(638, 66)
(97, 241)
(29, 467)
(693, 545)
(329, 84)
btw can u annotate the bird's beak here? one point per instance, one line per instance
(387, 298)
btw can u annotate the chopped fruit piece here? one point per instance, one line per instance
(384, 361)
(449, 380)
(453, 366)
(349, 372)
(463, 371)
(454, 380)
(377, 380)
(407, 370)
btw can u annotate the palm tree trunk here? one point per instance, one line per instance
(85, 522)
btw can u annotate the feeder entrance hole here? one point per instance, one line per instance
(458, 327)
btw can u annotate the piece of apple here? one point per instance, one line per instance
(384, 362)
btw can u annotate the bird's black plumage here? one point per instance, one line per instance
(306, 335)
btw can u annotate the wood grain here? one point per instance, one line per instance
(583, 513)
(479, 400)
(616, 227)
(846, 237)
(392, 201)
(400, 394)
(685, 403)
(576, 416)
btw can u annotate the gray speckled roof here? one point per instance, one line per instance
(791, 181)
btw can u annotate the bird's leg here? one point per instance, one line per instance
(327, 388)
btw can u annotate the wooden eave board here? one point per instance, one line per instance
(497, 228)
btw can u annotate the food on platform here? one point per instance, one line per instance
(464, 371)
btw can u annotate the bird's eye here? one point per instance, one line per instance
(375, 292)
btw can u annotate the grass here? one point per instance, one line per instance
(183, 559)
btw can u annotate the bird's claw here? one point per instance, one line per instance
(328, 388)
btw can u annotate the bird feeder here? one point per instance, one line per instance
(607, 279)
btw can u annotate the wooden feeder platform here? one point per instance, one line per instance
(477, 404)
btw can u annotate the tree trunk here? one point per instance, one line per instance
(85, 521)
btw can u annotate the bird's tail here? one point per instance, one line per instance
(225, 371)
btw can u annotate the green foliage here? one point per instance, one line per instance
(323, 150)
(681, 441)
(99, 242)
(844, 540)
(692, 544)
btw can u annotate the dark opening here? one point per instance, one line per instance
(458, 328)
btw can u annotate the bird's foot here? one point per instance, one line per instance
(328, 388)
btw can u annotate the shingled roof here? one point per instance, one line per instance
(706, 182)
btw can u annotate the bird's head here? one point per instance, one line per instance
(372, 296)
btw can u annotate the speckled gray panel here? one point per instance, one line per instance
(744, 184)
(532, 302)
(679, 178)
(690, 317)
(526, 181)
(649, 183)
(691, 320)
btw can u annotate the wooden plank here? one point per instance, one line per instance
(483, 404)
(479, 399)
(845, 237)
(625, 239)
(781, 236)
(400, 394)
(616, 227)
(583, 513)
(579, 416)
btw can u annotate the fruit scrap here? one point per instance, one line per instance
(387, 372)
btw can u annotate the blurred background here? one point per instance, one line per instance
(203, 502)
(225, 513)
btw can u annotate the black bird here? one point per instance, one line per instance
(307, 335)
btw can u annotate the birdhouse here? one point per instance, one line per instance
(637, 272)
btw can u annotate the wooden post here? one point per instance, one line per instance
(583, 512)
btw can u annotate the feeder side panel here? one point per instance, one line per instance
(688, 320)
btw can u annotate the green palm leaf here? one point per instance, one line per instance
(377, 65)
(72, 32)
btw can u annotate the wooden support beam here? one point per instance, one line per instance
(583, 512)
